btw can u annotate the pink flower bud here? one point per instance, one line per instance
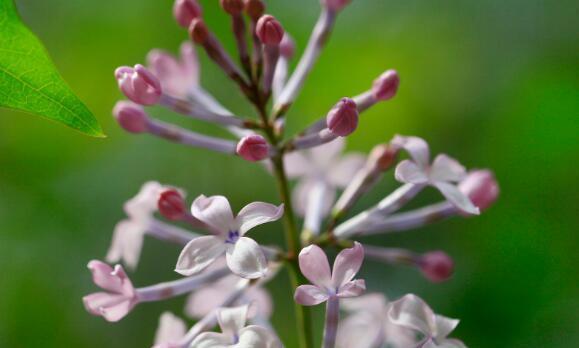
(198, 31)
(342, 120)
(481, 187)
(172, 205)
(253, 148)
(335, 5)
(185, 11)
(287, 46)
(131, 116)
(386, 86)
(436, 266)
(254, 8)
(233, 7)
(269, 30)
(383, 156)
(139, 84)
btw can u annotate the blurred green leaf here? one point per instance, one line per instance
(29, 80)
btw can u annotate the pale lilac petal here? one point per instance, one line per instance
(232, 319)
(361, 330)
(257, 213)
(445, 168)
(109, 306)
(215, 211)
(408, 172)
(102, 276)
(127, 243)
(205, 300)
(341, 172)
(457, 198)
(374, 302)
(412, 312)
(324, 156)
(310, 295)
(296, 164)
(190, 63)
(352, 289)
(255, 336)
(301, 195)
(315, 266)
(262, 303)
(170, 330)
(199, 253)
(347, 264)
(212, 340)
(444, 326)
(246, 259)
(416, 147)
(145, 202)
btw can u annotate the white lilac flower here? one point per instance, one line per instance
(443, 173)
(170, 331)
(412, 312)
(244, 256)
(234, 333)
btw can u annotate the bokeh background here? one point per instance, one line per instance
(493, 83)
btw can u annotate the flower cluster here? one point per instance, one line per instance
(224, 270)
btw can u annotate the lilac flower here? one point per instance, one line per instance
(235, 334)
(443, 173)
(139, 84)
(244, 256)
(177, 76)
(337, 283)
(170, 331)
(413, 313)
(119, 295)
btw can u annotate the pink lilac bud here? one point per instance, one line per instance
(481, 187)
(198, 31)
(254, 8)
(335, 5)
(172, 205)
(233, 7)
(383, 156)
(269, 30)
(253, 148)
(436, 266)
(342, 120)
(287, 46)
(185, 11)
(131, 116)
(139, 84)
(386, 86)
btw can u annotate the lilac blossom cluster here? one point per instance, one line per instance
(224, 270)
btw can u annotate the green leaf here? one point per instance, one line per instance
(29, 80)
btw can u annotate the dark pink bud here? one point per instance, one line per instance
(185, 11)
(481, 187)
(287, 46)
(233, 7)
(335, 5)
(131, 116)
(383, 156)
(342, 120)
(436, 266)
(253, 148)
(172, 205)
(139, 84)
(269, 30)
(198, 31)
(254, 8)
(386, 86)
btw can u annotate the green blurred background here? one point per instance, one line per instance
(493, 83)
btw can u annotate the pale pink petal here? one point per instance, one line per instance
(301, 195)
(102, 276)
(212, 340)
(408, 172)
(110, 306)
(262, 303)
(310, 295)
(170, 330)
(246, 259)
(145, 202)
(412, 312)
(444, 326)
(199, 253)
(457, 198)
(324, 156)
(347, 264)
(373, 302)
(352, 289)
(205, 300)
(127, 243)
(416, 147)
(215, 211)
(445, 168)
(315, 266)
(232, 319)
(190, 63)
(257, 213)
(361, 330)
(255, 336)
(296, 164)
(341, 172)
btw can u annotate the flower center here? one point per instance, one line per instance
(232, 237)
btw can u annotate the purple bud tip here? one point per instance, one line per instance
(139, 84)
(436, 266)
(335, 5)
(253, 148)
(481, 187)
(131, 116)
(233, 7)
(386, 86)
(269, 30)
(185, 11)
(287, 46)
(172, 205)
(198, 31)
(254, 8)
(342, 120)
(383, 156)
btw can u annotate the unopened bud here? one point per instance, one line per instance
(253, 148)
(185, 11)
(139, 84)
(269, 30)
(198, 31)
(254, 8)
(131, 116)
(335, 5)
(481, 187)
(287, 46)
(383, 156)
(172, 205)
(342, 120)
(436, 266)
(386, 86)
(233, 7)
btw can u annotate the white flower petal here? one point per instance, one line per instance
(145, 202)
(323, 156)
(257, 213)
(255, 336)
(296, 164)
(352, 289)
(199, 253)
(374, 302)
(457, 198)
(444, 326)
(170, 330)
(301, 197)
(416, 147)
(412, 312)
(246, 259)
(341, 172)
(232, 319)
(215, 211)
(315, 266)
(310, 295)
(347, 264)
(127, 243)
(212, 340)
(361, 330)
(446, 168)
(410, 173)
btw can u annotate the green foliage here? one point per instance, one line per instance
(29, 80)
